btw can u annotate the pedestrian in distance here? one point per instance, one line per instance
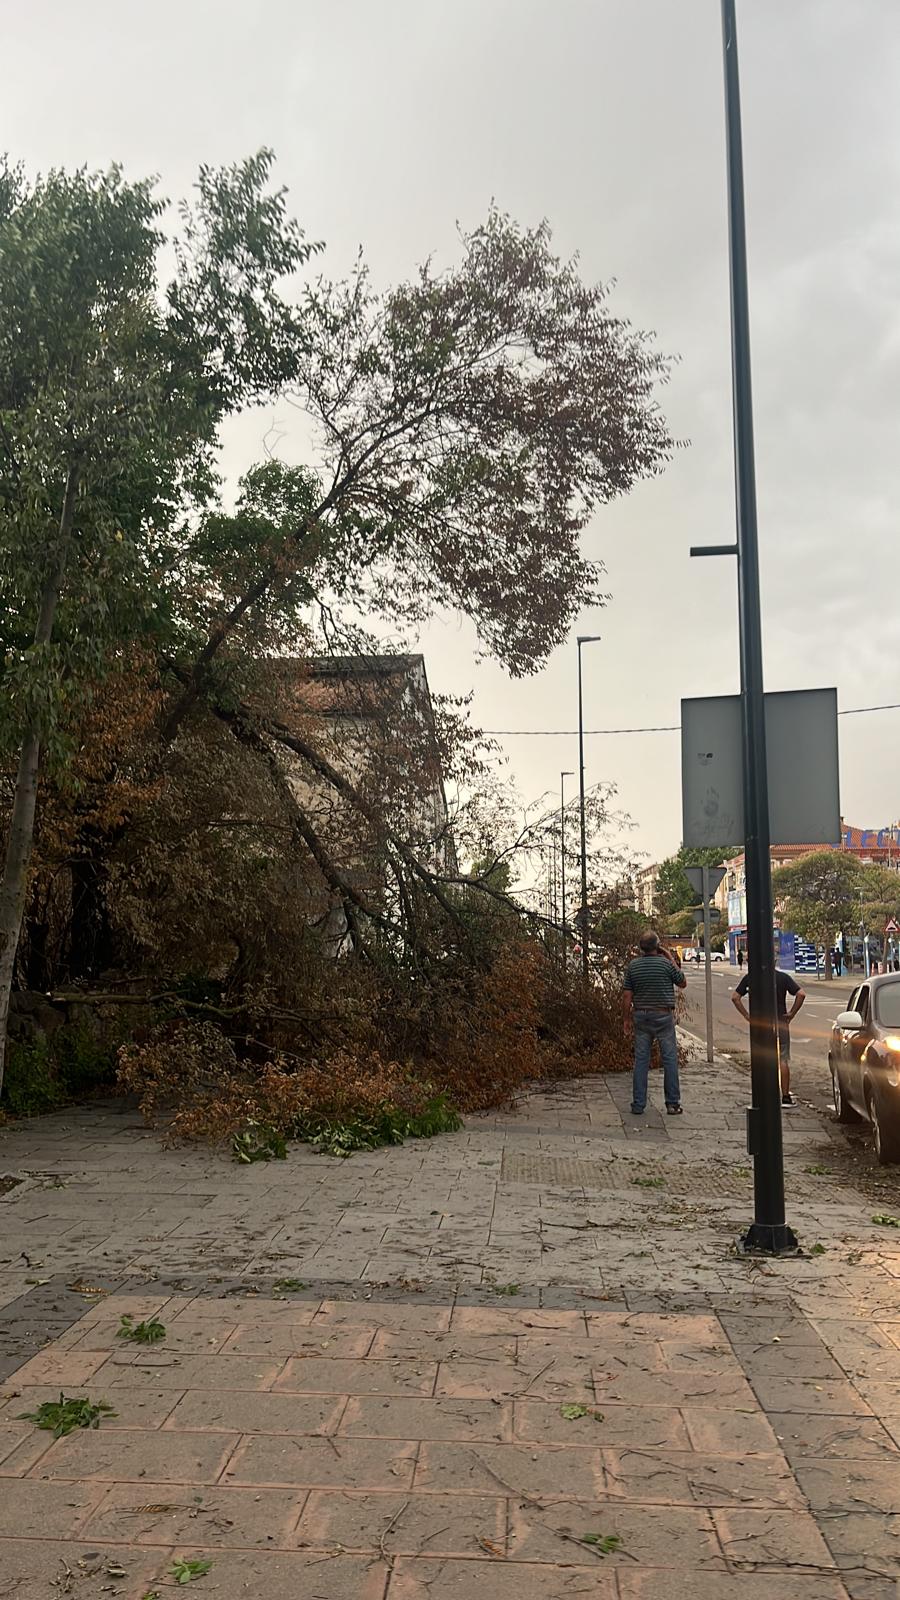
(785, 984)
(741, 958)
(648, 1011)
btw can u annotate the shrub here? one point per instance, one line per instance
(44, 1074)
(31, 1086)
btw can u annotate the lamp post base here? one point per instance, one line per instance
(770, 1239)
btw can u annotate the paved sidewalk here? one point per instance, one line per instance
(530, 1346)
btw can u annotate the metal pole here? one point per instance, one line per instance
(562, 863)
(769, 1231)
(583, 638)
(583, 911)
(706, 938)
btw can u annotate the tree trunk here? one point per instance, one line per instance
(14, 884)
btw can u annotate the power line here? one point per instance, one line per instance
(671, 727)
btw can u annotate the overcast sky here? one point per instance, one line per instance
(391, 120)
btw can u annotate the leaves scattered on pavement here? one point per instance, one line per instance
(141, 1332)
(64, 1415)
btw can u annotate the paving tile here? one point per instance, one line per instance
(791, 1362)
(546, 1471)
(560, 1380)
(841, 1438)
(705, 1356)
(707, 1390)
(130, 1454)
(453, 1346)
(411, 1318)
(396, 1417)
(657, 1585)
(655, 1536)
(322, 1375)
(810, 1395)
(134, 1408)
(313, 1463)
(203, 1337)
(155, 1514)
(688, 1478)
(33, 1569)
(429, 1524)
(494, 1319)
(61, 1369)
(866, 1542)
(473, 1580)
(188, 1371)
(721, 1432)
(279, 1576)
(37, 1510)
(842, 1485)
(647, 1426)
(775, 1539)
(242, 1412)
(300, 1339)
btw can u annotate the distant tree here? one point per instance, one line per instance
(673, 891)
(819, 895)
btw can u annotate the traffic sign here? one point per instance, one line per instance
(892, 925)
(694, 877)
(715, 914)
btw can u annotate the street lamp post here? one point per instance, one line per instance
(562, 860)
(769, 1230)
(583, 638)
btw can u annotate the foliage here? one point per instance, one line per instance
(819, 894)
(183, 1571)
(64, 1415)
(384, 1126)
(605, 1544)
(257, 1142)
(44, 1074)
(303, 950)
(141, 1332)
(673, 888)
(673, 891)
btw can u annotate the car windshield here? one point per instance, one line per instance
(887, 1004)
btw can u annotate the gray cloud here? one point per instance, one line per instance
(393, 120)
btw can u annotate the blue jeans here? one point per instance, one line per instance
(650, 1025)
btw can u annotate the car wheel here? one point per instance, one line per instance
(885, 1131)
(843, 1110)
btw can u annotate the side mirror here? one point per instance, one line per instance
(850, 1020)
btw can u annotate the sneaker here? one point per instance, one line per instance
(637, 1111)
(788, 1100)
(675, 1111)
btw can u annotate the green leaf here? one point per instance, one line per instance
(574, 1413)
(884, 1220)
(187, 1571)
(62, 1416)
(141, 1332)
(605, 1544)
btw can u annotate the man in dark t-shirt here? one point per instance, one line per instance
(648, 1007)
(785, 985)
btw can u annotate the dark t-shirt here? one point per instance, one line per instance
(784, 985)
(652, 980)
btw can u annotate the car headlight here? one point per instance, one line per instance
(892, 1042)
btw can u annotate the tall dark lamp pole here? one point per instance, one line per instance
(583, 638)
(562, 861)
(769, 1231)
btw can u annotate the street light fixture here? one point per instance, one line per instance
(583, 638)
(562, 859)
